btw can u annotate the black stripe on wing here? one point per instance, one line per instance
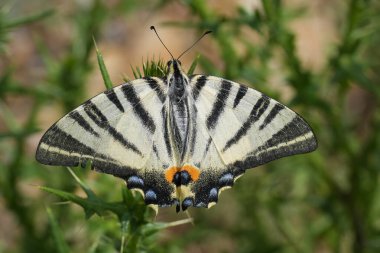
(111, 95)
(200, 83)
(207, 148)
(153, 84)
(295, 128)
(165, 128)
(240, 94)
(101, 120)
(257, 111)
(194, 130)
(82, 122)
(60, 140)
(138, 108)
(219, 104)
(272, 114)
(280, 145)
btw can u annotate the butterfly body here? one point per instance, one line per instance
(179, 106)
(180, 140)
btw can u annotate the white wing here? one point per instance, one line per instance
(238, 128)
(122, 132)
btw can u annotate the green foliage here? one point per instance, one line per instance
(59, 240)
(67, 75)
(7, 23)
(324, 201)
(157, 68)
(106, 77)
(150, 68)
(135, 218)
(193, 66)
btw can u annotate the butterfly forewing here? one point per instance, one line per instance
(256, 124)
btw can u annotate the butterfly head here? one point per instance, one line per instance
(176, 78)
(174, 66)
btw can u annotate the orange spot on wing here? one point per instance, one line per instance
(170, 172)
(193, 171)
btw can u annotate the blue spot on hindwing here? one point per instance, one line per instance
(226, 180)
(213, 196)
(135, 182)
(150, 197)
(187, 202)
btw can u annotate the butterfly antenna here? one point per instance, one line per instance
(194, 44)
(154, 29)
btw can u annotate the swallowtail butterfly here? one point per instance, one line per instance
(180, 139)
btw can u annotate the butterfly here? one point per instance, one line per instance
(179, 140)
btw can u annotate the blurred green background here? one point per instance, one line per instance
(319, 57)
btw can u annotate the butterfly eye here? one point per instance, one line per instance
(180, 63)
(170, 63)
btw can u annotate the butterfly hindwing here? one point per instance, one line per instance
(239, 128)
(121, 132)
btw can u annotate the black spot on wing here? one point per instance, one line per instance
(138, 108)
(111, 95)
(200, 83)
(255, 114)
(240, 94)
(100, 119)
(82, 122)
(219, 104)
